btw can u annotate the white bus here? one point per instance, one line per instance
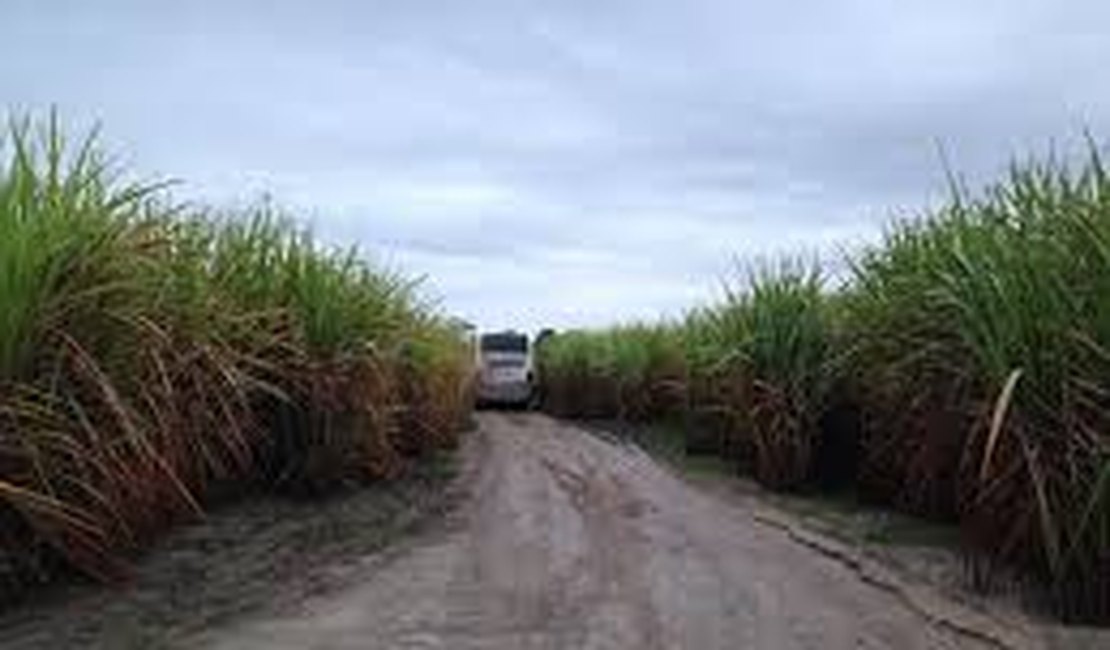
(505, 374)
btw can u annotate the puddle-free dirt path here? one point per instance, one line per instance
(568, 541)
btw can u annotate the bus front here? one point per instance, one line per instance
(505, 369)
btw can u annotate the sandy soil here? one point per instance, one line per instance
(259, 556)
(567, 540)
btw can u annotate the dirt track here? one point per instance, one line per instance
(568, 541)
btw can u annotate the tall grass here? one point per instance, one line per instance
(630, 372)
(754, 369)
(153, 355)
(772, 346)
(983, 337)
(971, 347)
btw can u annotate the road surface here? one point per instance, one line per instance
(566, 540)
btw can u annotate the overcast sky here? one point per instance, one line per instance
(568, 162)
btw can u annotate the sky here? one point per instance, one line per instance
(569, 162)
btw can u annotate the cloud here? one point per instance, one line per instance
(574, 162)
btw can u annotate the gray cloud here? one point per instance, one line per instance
(571, 162)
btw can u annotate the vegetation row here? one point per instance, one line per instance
(961, 370)
(157, 356)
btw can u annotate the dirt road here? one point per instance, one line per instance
(569, 541)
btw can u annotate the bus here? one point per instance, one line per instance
(505, 374)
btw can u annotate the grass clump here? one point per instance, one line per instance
(153, 356)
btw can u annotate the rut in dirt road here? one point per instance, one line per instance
(568, 541)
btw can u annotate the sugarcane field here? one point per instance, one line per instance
(502, 325)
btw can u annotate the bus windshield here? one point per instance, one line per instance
(505, 342)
